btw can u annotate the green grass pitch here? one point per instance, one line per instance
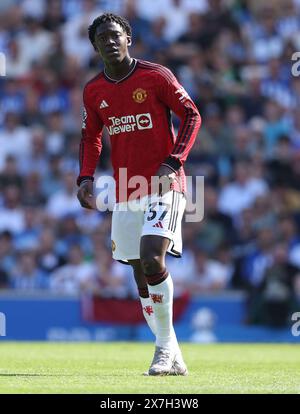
(108, 368)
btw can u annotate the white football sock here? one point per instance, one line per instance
(150, 319)
(162, 302)
(176, 345)
(148, 313)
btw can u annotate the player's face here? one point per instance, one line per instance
(112, 42)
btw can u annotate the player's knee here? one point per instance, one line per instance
(152, 264)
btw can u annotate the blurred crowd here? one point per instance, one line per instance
(234, 57)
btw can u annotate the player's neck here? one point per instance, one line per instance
(120, 70)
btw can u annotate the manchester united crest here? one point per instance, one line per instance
(139, 95)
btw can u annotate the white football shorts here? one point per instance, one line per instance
(151, 215)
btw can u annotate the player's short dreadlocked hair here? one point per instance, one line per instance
(108, 17)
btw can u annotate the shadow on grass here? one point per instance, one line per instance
(96, 375)
(36, 375)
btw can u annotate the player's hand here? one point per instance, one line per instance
(167, 177)
(85, 195)
(165, 170)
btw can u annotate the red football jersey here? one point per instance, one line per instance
(136, 111)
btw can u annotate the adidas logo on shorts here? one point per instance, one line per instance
(159, 225)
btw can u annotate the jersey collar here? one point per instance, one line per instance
(109, 79)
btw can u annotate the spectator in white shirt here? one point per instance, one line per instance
(14, 139)
(75, 276)
(11, 213)
(210, 275)
(65, 201)
(242, 192)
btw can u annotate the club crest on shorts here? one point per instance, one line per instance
(139, 95)
(156, 298)
(113, 246)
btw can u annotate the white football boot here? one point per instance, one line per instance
(162, 362)
(179, 367)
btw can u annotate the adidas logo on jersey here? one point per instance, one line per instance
(103, 104)
(159, 225)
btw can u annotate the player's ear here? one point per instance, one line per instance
(128, 41)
